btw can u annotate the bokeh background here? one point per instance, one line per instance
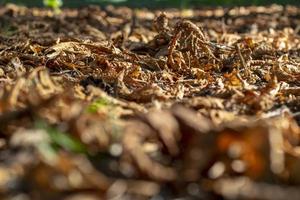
(156, 3)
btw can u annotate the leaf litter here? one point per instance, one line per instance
(117, 103)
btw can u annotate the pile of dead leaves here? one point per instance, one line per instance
(116, 103)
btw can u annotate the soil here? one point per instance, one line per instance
(120, 103)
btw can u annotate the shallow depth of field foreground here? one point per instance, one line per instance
(119, 103)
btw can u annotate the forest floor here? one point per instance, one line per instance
(119, 103)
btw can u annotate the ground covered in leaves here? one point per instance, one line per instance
(116, 103)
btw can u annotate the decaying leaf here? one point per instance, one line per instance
(120, 103)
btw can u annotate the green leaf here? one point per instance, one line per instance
(66, 141)
(98, 104)
(54, 4)
(62, 140)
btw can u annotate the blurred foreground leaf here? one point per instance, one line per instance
(61, 140)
